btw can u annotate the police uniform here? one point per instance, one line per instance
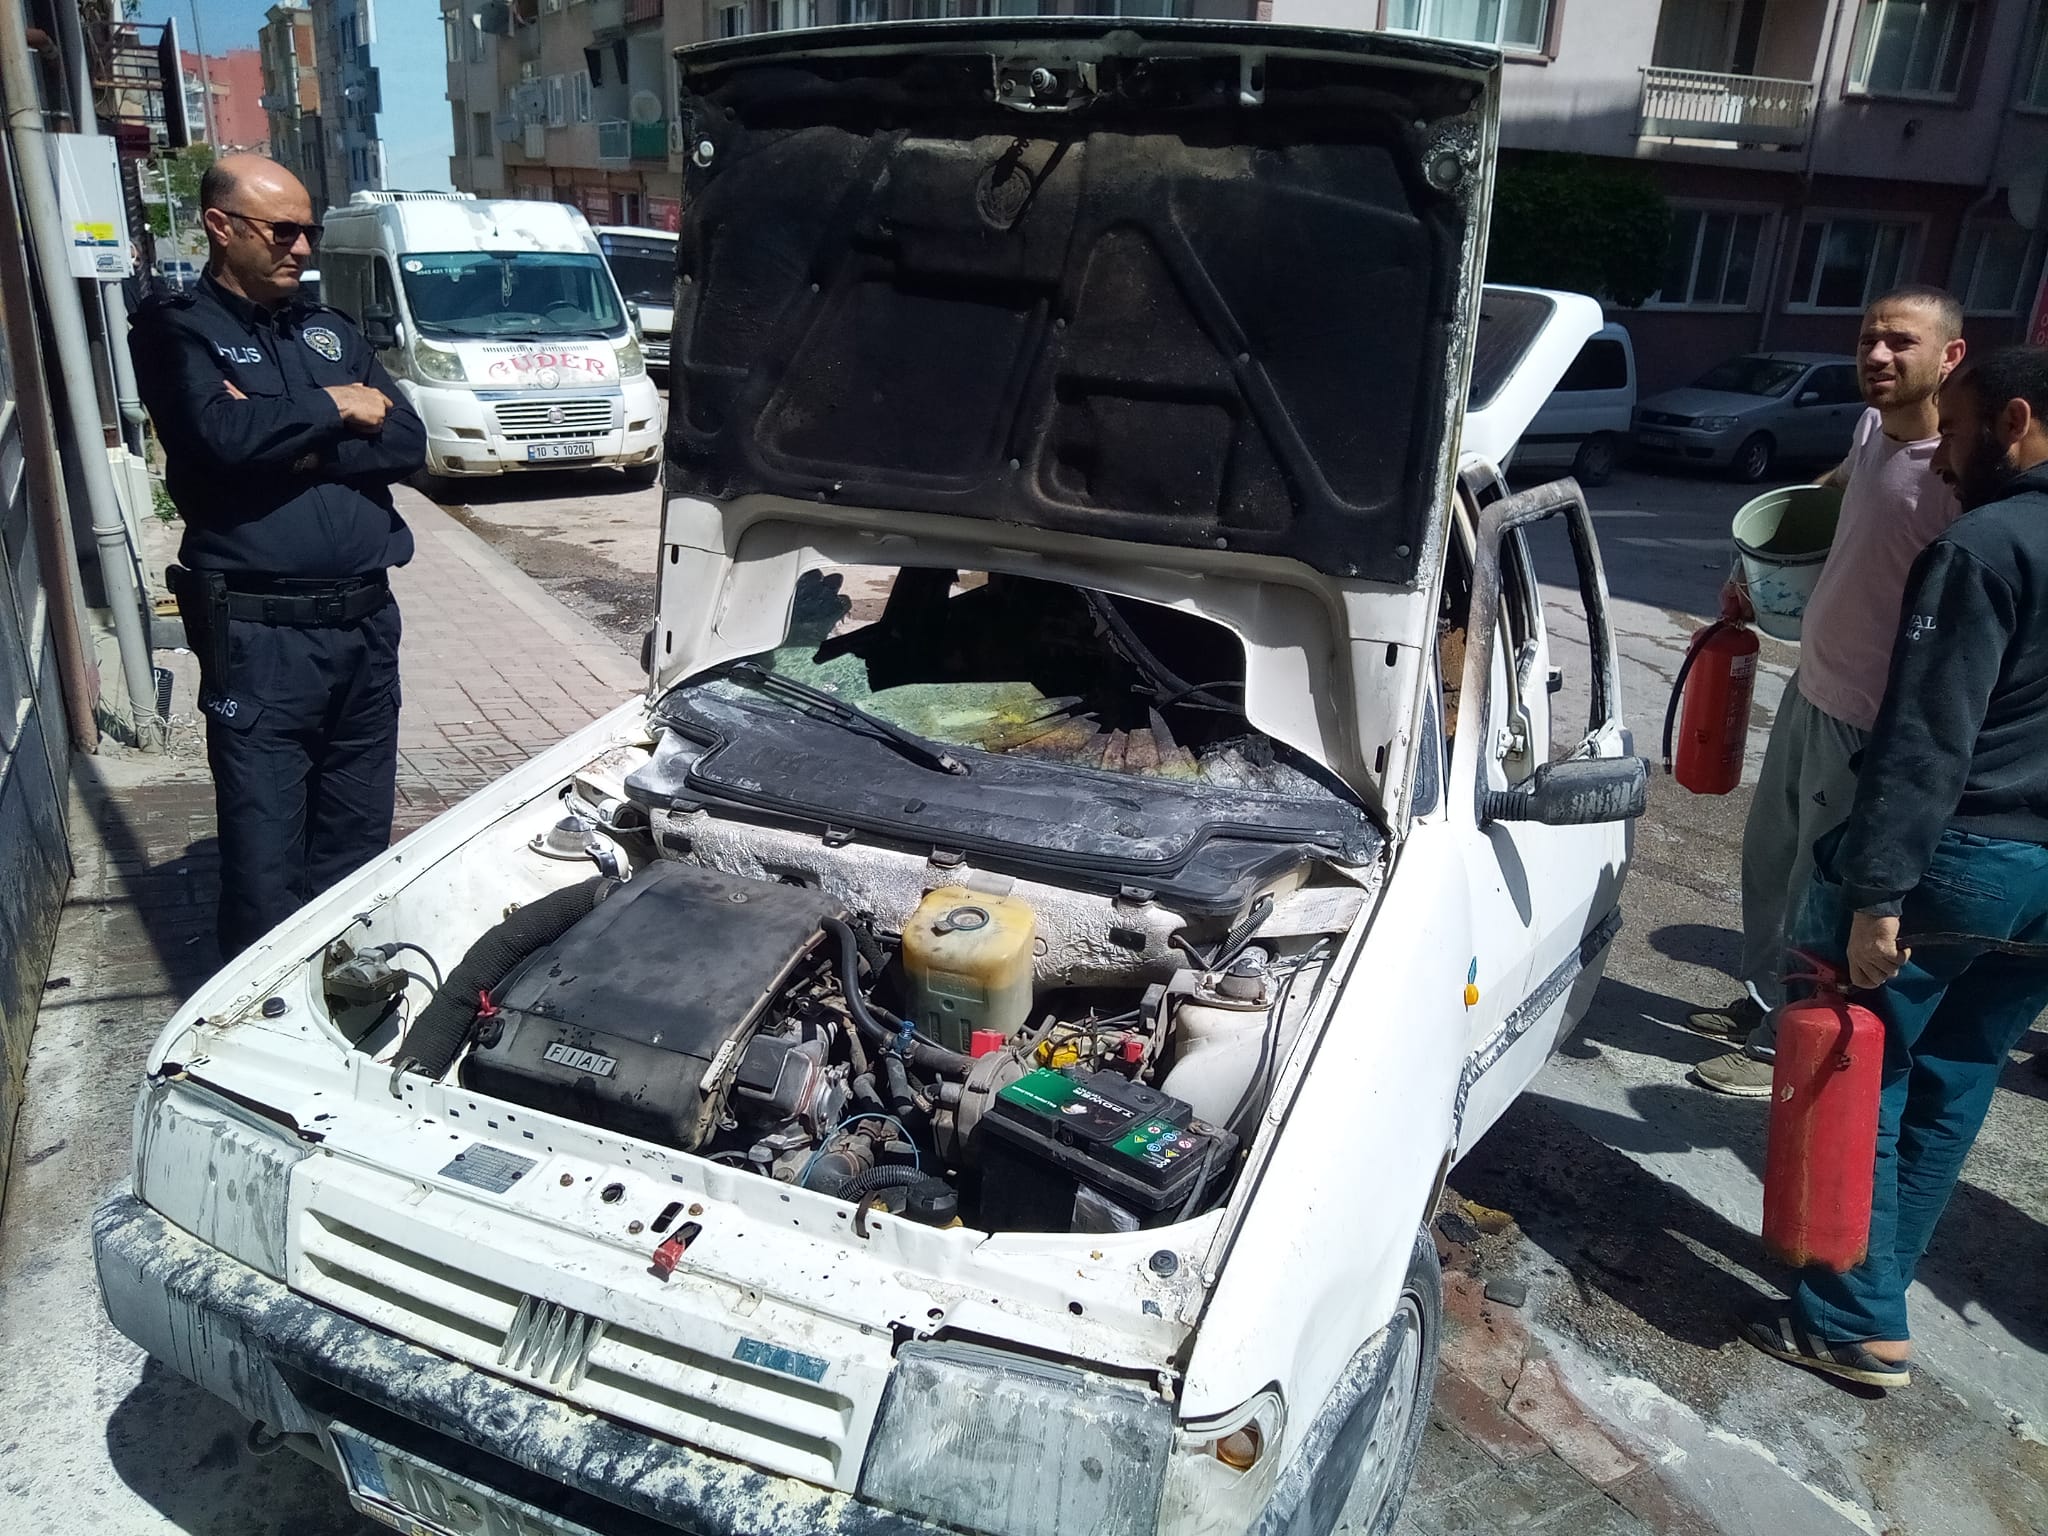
(289, 530)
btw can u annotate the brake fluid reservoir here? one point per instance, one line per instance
(967, 964)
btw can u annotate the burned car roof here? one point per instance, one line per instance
(1192, 285)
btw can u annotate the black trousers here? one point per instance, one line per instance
(302, 736)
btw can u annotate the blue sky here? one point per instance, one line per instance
(409, 54)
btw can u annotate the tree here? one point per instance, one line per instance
(1560, 221)
(185, 167)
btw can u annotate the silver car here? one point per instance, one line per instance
(1752, 412)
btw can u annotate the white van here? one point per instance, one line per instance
(1585, 422)
(644, 262)
(504, 327)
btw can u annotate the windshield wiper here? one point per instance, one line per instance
(913, 746)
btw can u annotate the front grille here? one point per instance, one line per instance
(528, 420)
(1662, 419)
(699, 1392)
(654, 351)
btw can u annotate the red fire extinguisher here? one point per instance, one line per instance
(1822, 1147)
(1720, 667)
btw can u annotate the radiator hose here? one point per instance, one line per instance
(437, 1036)
(883, 1036)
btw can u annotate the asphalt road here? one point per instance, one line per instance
(1638, 1196)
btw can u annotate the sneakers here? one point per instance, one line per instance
(1733, 1022)
(1738, 1074)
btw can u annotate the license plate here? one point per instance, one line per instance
(538, 451)
(406, 1494)
(1656, 439)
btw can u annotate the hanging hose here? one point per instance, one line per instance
(885, 1036)
(437, 1036)
(1692, 654)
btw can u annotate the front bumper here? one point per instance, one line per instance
(301, 1368)
(1683, 445)
(465, 435)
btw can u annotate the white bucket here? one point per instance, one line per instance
(1783, 537)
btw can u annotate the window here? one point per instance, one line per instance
(2033, 76)
(1015, 8)
(482, 136)
(460, 115)
(791, 15)
(1519, 24)
(1836, 385)
(1161, 8)
(1910, 47)
(579, 85)
(452, 27)
(1601, 364)
(1991, 269)
(1845, 263)
(558, 101)
(732, 20)
(858, 12)
(530, 294)
(1712, 261)
(549, 7)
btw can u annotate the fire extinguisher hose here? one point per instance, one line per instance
(1692, 654)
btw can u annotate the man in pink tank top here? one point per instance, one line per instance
(1893, 506)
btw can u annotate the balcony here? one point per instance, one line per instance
(620, 142)
(1734, 109)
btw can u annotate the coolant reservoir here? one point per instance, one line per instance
(967, 962)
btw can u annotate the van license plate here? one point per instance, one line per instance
(538, 451)
(407, 1495)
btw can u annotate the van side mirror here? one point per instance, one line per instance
(1578, 792)
(381, 329)
(1809, 397)
(633, 318)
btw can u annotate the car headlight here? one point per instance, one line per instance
(631, 359)
(995, 1442)
(440, 364)
(219, 1171)
(1713, 423)
(1223, 1470)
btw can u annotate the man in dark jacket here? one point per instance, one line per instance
(1948, 836)
(282, 434)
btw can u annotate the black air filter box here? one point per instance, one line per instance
(636, 1018)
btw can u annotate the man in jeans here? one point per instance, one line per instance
(1948, 836)
(1892, 505)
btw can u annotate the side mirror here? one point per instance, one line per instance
(633, 318)
(1577, 793)
(381, 329)
(1809, 397)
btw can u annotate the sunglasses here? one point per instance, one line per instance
(282, 233)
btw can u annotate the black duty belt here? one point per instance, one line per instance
(304, 604)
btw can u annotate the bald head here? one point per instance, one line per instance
(259, 227)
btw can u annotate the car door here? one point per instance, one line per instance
(1841, 406)
(1544, 869)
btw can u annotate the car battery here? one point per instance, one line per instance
(1064, 1151)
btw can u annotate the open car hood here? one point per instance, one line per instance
(1191, 285)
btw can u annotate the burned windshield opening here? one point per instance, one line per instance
(1033, 669)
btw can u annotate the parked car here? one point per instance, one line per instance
(1750, 413)
(644, 262)
(1585, 423)
(977, 1047)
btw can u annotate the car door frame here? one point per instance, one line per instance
(1519, 1005)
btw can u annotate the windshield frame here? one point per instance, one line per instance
(636, 250)
(413, 269)
(1755, 363)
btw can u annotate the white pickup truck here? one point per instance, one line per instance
(976, 1047)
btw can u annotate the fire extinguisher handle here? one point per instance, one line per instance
(1692, 654)
(2013, 947)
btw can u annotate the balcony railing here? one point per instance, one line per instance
(620, 141)
(1739, 109)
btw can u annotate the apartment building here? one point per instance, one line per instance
(351, 96)
(291, 95)
(221, 99)
(1815, 152)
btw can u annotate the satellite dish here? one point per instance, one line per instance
(2028, 191)
(645, 107)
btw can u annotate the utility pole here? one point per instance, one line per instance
(205, 81)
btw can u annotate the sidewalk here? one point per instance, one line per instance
(95, 1436)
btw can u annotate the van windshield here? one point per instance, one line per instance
(646, 269)
(510, 293)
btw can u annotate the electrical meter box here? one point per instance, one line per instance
(90, 198)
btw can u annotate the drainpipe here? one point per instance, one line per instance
(76, 675)
(118, 564)
(114, 309)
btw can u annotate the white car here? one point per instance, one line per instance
(644, 263)
(977, 1047)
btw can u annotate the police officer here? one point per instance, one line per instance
(282, 434)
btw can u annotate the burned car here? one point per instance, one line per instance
(977, 1046)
